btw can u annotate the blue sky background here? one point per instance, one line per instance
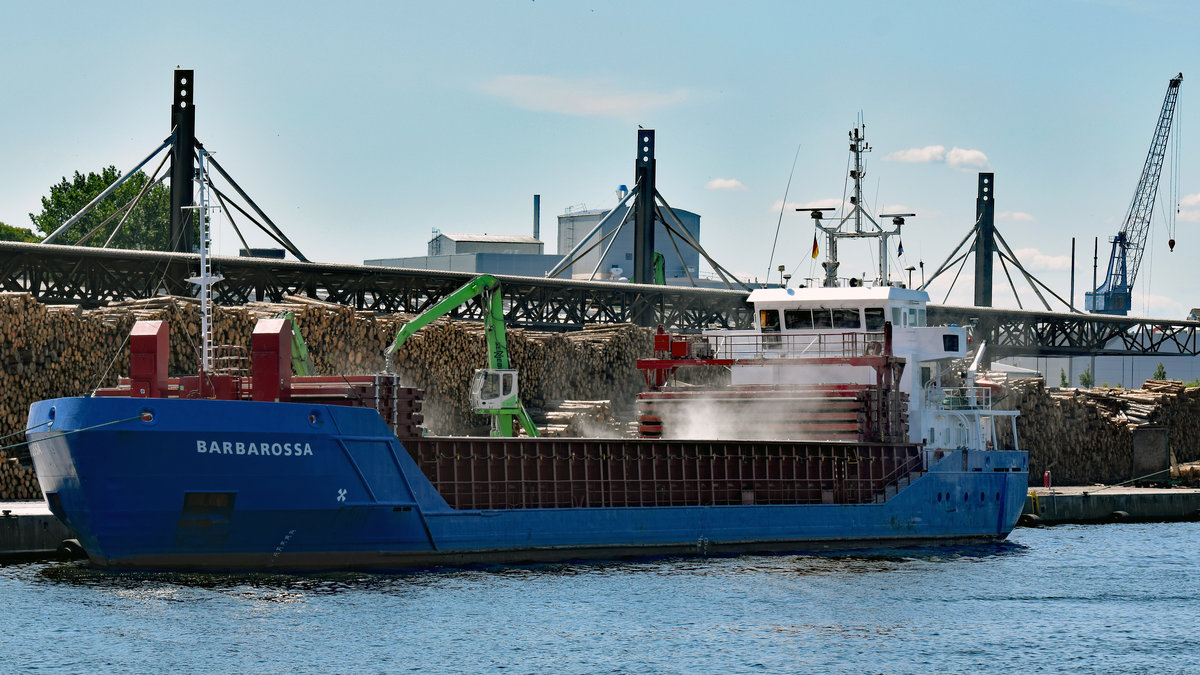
(360, 127)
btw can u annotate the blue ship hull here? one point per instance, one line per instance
(179, 483)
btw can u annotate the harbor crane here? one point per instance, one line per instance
(1113, 296)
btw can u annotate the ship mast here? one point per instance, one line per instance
(206, 279)
(851, 225)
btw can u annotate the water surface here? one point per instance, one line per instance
(1102, 598)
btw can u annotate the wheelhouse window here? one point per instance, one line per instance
(846, 318)
(768, 319)
(798, 319)
(875, 318)
(822, 319)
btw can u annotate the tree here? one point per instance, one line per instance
(147, 227)
(1062, 379)
(1086, 379)
(10, 233)
(1160, 373)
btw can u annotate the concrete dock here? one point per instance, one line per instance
(29, 530)
(1106, 504)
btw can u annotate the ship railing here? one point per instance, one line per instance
(233, 360)
(958, 398)
(904, 469)
(755, 345)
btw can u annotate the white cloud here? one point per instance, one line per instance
(1188, 216)
(1036, 261)
(834, 202)
(585, 98)
(1190, 200)
(925, 155)
(1158, 307)
(896, 208)
(966, 160)
(960, 159)
(724, 184)
(1016, 216)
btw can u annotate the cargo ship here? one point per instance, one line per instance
(845, 422)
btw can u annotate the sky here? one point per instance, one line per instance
(359, 127)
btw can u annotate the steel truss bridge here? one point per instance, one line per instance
(93, 277)
(1024, 333)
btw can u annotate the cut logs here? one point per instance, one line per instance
(47, 352)
(585, 382)
(1085, 436)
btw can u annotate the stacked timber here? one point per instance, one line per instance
(592, 364)
(47, 352)
(579, 419)
(1085, 436)
(17, 481)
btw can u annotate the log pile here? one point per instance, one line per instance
(1085, 436)
(47, 352)
(17, 481)
(1082, 436)
(594, 363)
(580, 419)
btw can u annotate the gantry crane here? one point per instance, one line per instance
(1113, 296)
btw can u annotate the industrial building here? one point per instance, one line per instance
(524, 255)
(613, 260)
(506, 254)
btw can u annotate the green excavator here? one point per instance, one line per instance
(494, 390)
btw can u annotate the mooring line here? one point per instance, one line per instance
(67, 433)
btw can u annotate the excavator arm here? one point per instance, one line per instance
(505, 403)
(467, 292)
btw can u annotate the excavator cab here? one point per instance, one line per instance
(493, 389)
(495, 392)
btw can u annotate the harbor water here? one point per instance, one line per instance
(1078, 598)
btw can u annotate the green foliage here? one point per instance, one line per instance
(10, 233)
(1193, 383)
(1062, 379)
(1160, 373)
(147, 227)
(1086, 379)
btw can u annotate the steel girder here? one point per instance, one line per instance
(93, 277)
(1023, 333)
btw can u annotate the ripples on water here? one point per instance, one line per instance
(1072, 598)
